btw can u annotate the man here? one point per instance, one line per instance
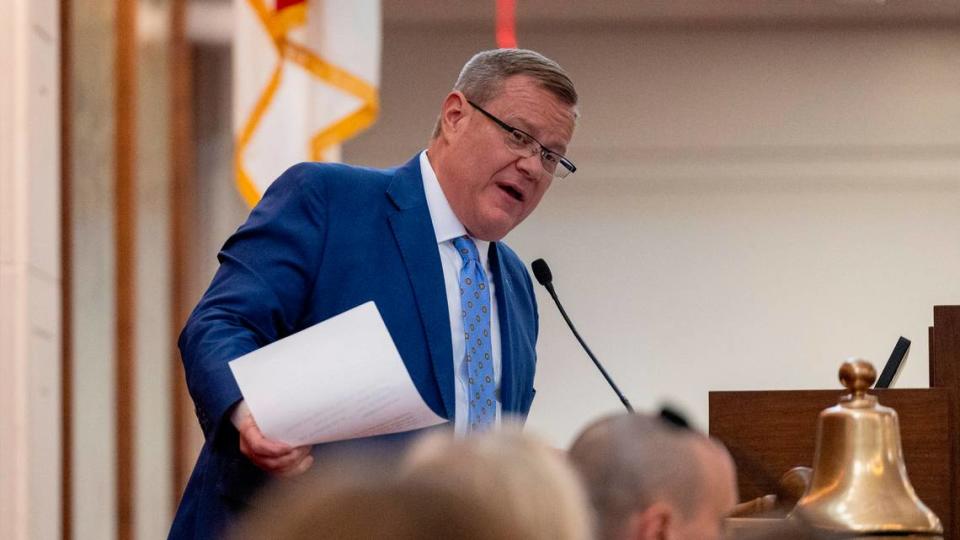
(421, 240)
(649, 479)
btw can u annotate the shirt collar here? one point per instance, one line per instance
(445, 223)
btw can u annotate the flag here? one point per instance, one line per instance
(506, 33)
(306, 75)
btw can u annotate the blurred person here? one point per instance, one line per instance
(422, 240)
(649, 478)
(533, 486)
(360, 498)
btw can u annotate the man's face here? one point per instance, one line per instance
(490, 188)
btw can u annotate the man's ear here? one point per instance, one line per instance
(654, 523)
(453, 112)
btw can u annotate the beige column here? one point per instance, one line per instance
(92, 165)
(30, 333)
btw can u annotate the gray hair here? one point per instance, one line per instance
(482, 76)
(630, 461)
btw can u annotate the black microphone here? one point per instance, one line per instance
(545, 277)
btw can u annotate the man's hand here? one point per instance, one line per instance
(271, 455)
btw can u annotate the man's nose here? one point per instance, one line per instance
(531, 166)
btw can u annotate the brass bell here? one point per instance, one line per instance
(859, 482)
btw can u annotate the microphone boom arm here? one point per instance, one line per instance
(563, 312)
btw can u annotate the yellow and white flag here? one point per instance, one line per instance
(306, 74)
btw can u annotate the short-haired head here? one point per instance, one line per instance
(632, 462)
(501, 138)
(482, 76)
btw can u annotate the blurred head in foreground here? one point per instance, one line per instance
(530, 486)
(364, 510)
(649, 479)
(360, 498)
(500, 486)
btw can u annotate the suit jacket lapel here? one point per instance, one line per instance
(510, 382)
(413, 231)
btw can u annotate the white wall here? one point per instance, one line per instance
(30, 334)
(752, 206)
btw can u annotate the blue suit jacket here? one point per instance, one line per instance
(326, 238)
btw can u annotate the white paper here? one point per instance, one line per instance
(340, 379)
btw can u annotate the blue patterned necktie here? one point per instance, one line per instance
(475, 310)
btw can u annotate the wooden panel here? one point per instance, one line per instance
(770, 432)
(125, 226)
(933, 365)
(945, 373)
(66, 270)
(182, 162)
(945, 347)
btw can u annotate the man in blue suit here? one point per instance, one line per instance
(328, 237)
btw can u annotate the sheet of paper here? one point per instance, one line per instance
(340, 379)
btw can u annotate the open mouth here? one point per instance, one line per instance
(512, 191)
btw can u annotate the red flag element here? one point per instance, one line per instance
(281, 4)
(506, 24)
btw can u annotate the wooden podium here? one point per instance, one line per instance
(769, 432)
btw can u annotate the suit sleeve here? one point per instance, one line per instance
(267, 269)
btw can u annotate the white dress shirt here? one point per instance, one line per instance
(447, 227)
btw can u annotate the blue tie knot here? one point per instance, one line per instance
(466, 248)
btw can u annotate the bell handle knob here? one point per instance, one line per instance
(857, 375)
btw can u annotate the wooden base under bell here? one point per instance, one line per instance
(785, 529)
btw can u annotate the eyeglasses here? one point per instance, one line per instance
(523, 144)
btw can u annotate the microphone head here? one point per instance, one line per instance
(541, 271)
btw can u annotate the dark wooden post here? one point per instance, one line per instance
(945, 373)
